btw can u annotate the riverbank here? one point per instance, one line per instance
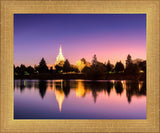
(114, 76)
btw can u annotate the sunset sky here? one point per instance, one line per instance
(109, 36)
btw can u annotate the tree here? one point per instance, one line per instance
(142, 66)
(36, 69)
(42, 63)
(99, 71)
(22, 69)
(42, 66)
(59, 68)
(95, 72)
(74, 69)
(83, 60)
(66, 66)
(51, 70)
(86, 69)
(30, 69)
(109, 66)
(94, 61)
(132, 69)
(128, 61)
(119, 67)
(17, 70)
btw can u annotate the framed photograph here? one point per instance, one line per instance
(79, 66)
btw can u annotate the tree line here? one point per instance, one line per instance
(96, 69)
(42, 68)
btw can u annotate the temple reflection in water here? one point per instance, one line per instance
(82, 88)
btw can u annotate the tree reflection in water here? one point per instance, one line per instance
(66, 87)
(81, 87)
(42, 88)
(135, 88)
(109, 86)
(118, 87)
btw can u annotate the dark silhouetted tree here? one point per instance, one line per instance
(119, 67)
(42, 66)
(58, 68)
(17, 70)
(142, 66)
(36, 69)
(22, 69)
(83, 60)
(94, 61)
(109, 66)
(95, 71)
(30, 70)
(128, 61)
(74, 69)
(86, 69)
(132, 69)
(51, 70)
(66, 66)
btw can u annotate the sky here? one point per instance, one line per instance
(109, 36)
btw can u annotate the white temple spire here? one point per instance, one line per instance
(60, 56)
(60, 49)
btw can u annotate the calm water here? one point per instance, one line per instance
(79, 99)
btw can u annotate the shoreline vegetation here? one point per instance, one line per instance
(84, 70)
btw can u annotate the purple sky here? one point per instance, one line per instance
(109, 36)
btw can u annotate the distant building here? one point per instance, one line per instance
(60, 58)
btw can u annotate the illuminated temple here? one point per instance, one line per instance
(60, 58)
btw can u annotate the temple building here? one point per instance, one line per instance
(60, 58)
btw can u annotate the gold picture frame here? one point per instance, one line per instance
(10, 7)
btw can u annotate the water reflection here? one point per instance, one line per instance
(62, 88)
(109, 86)
(135, 88)
(42, 88)
(66, 87)
(60, 98)
(119, 87)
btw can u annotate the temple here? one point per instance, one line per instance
(60, 58)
